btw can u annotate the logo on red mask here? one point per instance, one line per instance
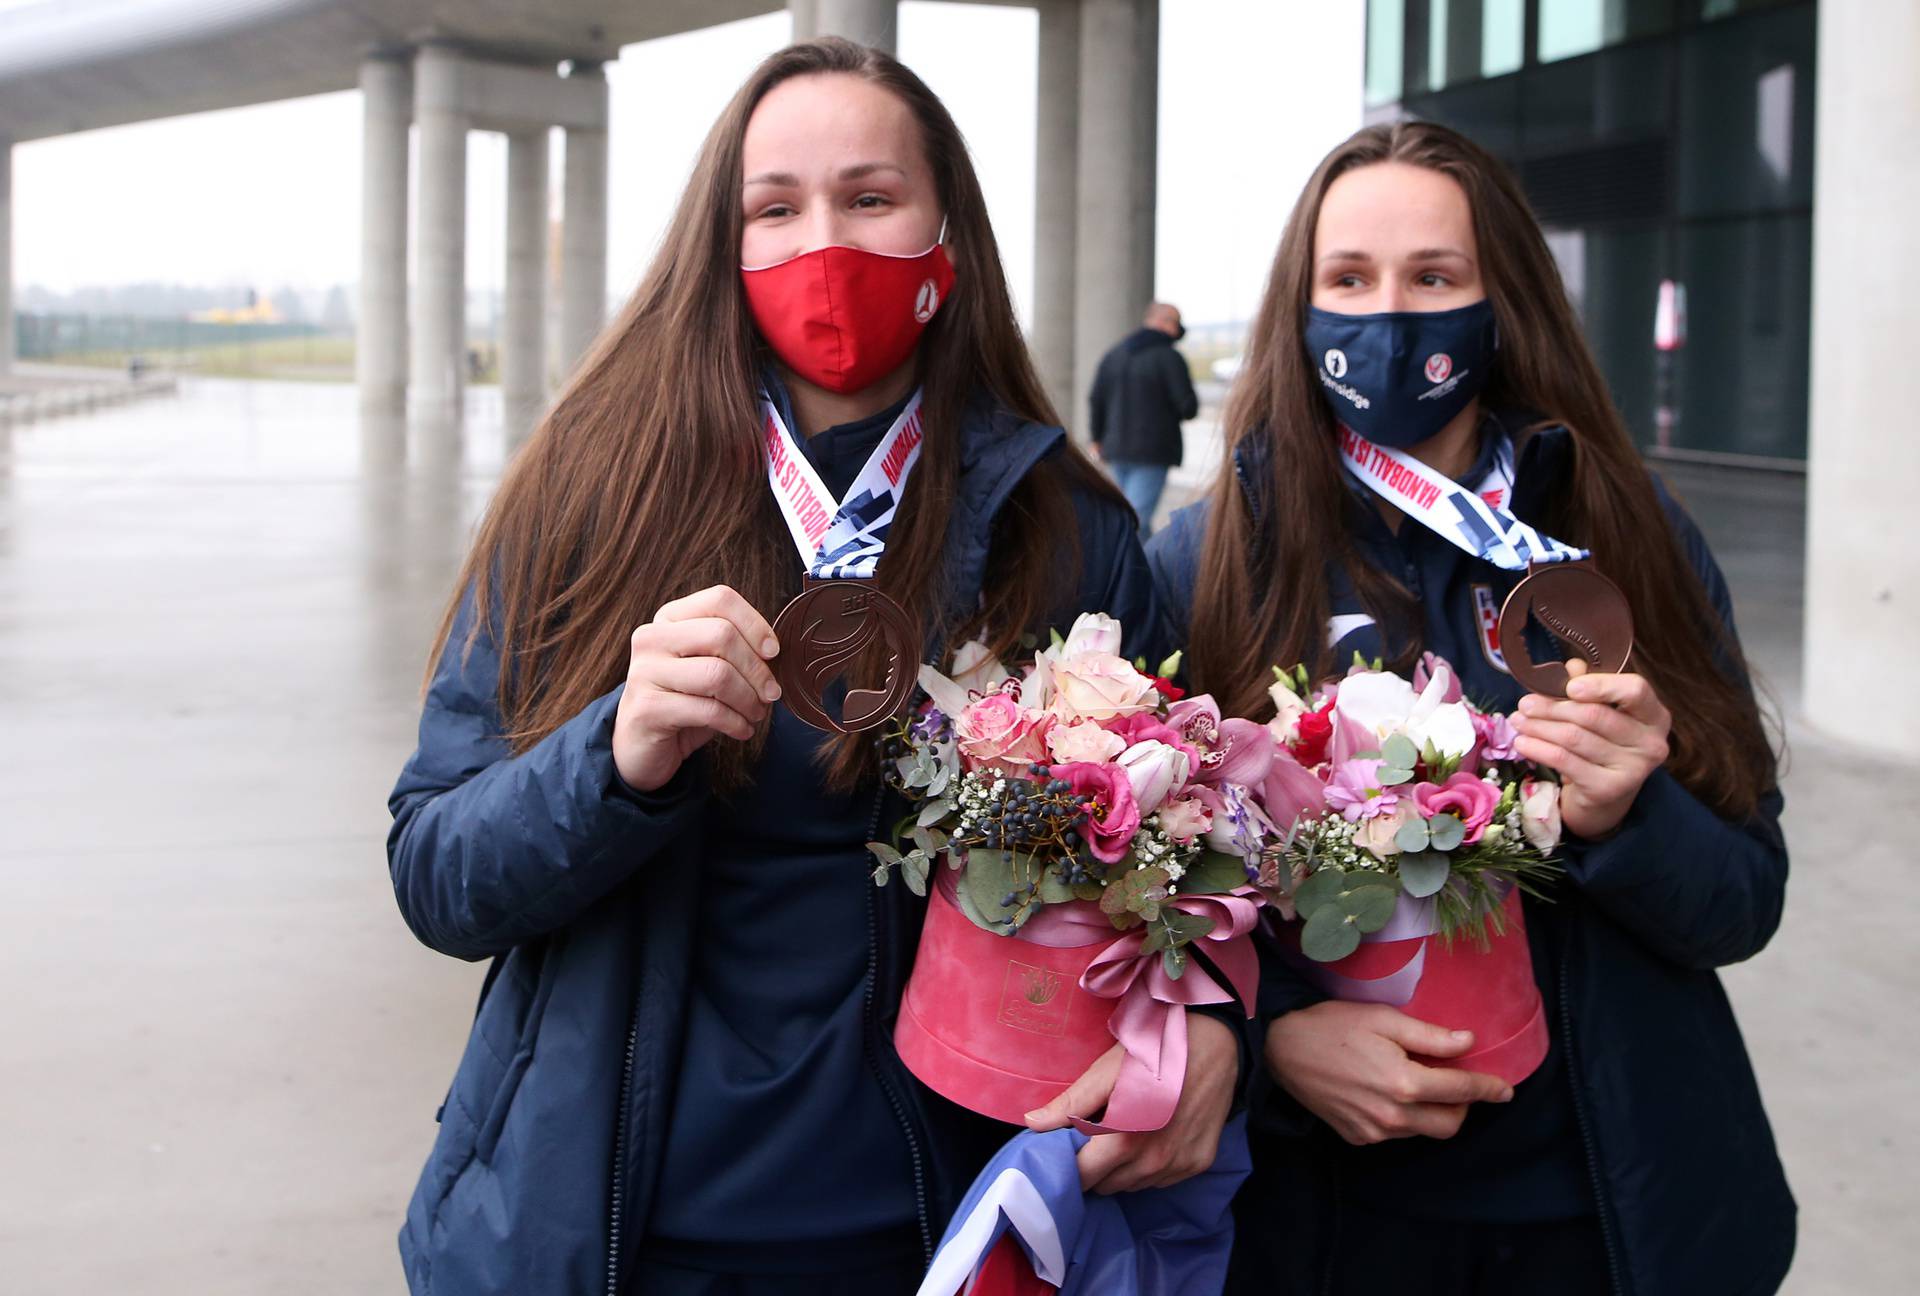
(843, 318)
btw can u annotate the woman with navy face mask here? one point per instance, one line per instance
(1415, 329)
(638, 789)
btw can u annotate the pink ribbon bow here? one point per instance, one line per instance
(1150, 1019)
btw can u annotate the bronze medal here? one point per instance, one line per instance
(823, 633)
(1577, 606)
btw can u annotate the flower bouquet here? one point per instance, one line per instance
(1101, 835)
(1403, 886)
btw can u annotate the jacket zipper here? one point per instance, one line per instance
(617, 1198)
(922, 1211)
(1600, 1202)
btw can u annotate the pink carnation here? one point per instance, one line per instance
(1114, 817)
(1470, 799)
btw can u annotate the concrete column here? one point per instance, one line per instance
(523, 352)
(1863, 577)
(1056, 209)
(805, 17)
(7, 340)
(871, 22)
(440, 228)
(380, 341)
(583, 233)
(1119, 126)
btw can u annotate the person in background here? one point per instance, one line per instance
(1141, 395)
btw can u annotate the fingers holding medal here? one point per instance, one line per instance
(1602, 728)
(699, 668)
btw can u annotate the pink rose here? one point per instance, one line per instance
(1112, 817)
(1377, 834)
(1184, 818)
(1540, 813)
(1083, 740)
(994, 732)
(1469, 799)
(1100, 686)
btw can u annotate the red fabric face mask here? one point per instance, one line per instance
(844, 318)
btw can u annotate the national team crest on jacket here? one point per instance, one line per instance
(1486, 615)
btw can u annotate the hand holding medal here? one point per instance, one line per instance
(698, 669)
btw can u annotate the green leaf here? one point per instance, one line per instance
(1053, 890)
(1423, 873)
(1320, 888)
(934, 811)
(1399, 752)
(913, 871)
(1054, 639)
(1139, 891)
(880, 875)
(1413, 835)
(1390, 776)
(1184, 928)
(930, 840)
(1446, 831)
(989, 877)
(1214, 873)
(886, 854)
(1175, 963)
(1328, 935)
(1370, 905)
(1158, 938)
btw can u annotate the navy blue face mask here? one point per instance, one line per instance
(1398, 378)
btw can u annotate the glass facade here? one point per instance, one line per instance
(1660, 142)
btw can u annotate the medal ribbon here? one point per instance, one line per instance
(1476, 520)
(844, 540)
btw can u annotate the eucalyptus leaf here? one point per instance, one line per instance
(934, 811)
(913, 871)
(1214, 873)
(1413, 834)
(1158, 938)
(1399, 752)
(1053, 890)
(988, 879)
(1175, 963)
(1320, 888)
(1446, 831)
(880, 875)
(1369, 905)
(930, 840)
(1186, 927)
(1423, 873)
(1390, 777)
(886, 854)
(1328, 936)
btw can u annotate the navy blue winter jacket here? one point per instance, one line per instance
(1688, 1188)
(548, 1153)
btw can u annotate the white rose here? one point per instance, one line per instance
(1093, 632)
(1155, 770)
(1100, 686)
(1377, 834)
(1083, 741)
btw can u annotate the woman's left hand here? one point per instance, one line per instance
(1604, 739)
(1116, 1163)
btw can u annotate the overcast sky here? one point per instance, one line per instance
(1252, 93)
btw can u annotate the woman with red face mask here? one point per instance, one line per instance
(681, 1077)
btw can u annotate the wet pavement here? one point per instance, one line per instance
(222, 1050)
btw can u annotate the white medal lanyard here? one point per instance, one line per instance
(841, 540)
(1476, 520)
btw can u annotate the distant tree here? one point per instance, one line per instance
(337, 315)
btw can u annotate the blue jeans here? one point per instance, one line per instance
(1141, 483)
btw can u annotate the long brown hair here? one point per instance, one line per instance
(1262, 596)
(646, 481)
